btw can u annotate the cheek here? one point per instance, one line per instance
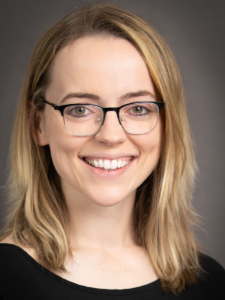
(63, 146)
(149, 146)
(64, 153)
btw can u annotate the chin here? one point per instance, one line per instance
(107, 199)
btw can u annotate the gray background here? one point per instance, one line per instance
(194, 30)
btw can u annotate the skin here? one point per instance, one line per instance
(101, 209)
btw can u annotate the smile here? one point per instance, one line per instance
(108, 165)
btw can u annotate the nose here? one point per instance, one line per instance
(111, 132)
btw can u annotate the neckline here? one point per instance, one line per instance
(151, 285)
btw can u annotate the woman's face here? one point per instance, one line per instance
(108, 68)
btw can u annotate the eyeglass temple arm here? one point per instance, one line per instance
(52, 104)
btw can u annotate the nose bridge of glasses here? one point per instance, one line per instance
(106, 109)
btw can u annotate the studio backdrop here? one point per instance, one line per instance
(194, 30)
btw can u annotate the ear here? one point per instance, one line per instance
(40, 129)
(37, 125)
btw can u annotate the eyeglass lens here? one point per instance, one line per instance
(81, 120)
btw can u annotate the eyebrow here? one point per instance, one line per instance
(96, 97)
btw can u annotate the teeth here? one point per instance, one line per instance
(101, 163)
(107, 164)
(119, 164)
(114, 165)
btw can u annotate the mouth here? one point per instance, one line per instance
(109, 168)
(108, 165)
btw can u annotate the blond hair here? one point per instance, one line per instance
(163, 213)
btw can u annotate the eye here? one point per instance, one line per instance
(77, 111)
(139, 110)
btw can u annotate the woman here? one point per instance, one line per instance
(102, 169)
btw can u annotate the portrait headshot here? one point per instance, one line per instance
(112, 154)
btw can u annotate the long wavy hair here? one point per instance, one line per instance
(163, 213)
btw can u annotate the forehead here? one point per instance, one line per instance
(99, 64)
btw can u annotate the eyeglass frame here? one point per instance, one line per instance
(61, 108)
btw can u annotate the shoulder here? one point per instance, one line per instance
(17, 247)
(16, 268)
(211, 266)
(20, 274)
(13, 258)
(212, 280)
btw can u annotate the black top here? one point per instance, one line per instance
(21, 277)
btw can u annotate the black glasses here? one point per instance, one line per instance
(86, 119)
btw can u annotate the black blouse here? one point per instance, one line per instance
(21, 277)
